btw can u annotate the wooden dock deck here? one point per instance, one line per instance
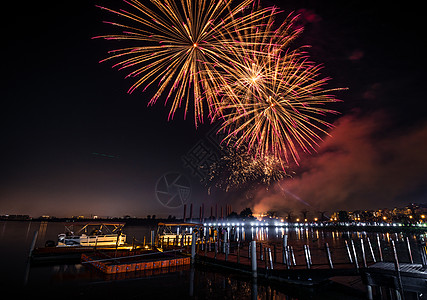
(411, 277)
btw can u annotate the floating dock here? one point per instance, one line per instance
(70, 254)
(134, 261)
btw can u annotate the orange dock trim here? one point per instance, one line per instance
(132, 263)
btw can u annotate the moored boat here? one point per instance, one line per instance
(92, 235)
(177, 233)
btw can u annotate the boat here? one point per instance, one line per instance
(92, 234)
(177, 233)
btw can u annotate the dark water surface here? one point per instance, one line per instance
(70, 281)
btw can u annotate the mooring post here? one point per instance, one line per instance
(261, 255)
(216, 248)
(328, 256)
(193, 247)
(423, 255)
(225, 243)
(408, 244)
(294, 262)
(270, 259)
(238, 252)
(284, 249)
(253, 258)
(371, 250)
(307, 259)
(288, 257)
(266, 258)
(348, 251)
(397, 267)
(380, 252)
(356, 263)
(152, 237)
(33, 243)
(309, 255)
(362, 245)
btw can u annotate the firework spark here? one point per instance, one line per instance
(177, 47)
(274, 100)
(239, 168)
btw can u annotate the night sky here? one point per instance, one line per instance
(75, 143)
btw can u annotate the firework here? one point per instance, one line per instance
(177, 46)
(239, 168)
(273, 100)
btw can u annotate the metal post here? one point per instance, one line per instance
(216, 249)
(380, 252)
(293, 255)
(33, 243)
(423, 255)
(238, 252)
(328, 256)
(253, 258)
(152, 237)
(261, 256)
(284, 252)
(266, 258)
(309, 254)
(348, 251)
(307, 260)
(362, 245)
(409, 250)
(270, 258)
(396, 266)
(225, 242)
(356, 263)
(288, 256)
(193, 247)
(371, 250)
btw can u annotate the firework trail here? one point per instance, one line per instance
(273, 98)
(236, 65)
(177, 46)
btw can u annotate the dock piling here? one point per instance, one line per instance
(292, 255)
(380, 253)
(356, 263)
(396, 266)
(33, 243)
(362, 245)
(152, 238)
(253, 258)
(348, 252)
(193, 247)
(238, 252)
(328, 256)
(409, 250)
(307, 259)
(371, 250)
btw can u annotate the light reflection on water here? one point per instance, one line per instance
(201, 283)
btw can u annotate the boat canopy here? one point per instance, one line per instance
(93, 227)
(180, 224)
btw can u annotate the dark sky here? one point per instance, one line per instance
(74, 142)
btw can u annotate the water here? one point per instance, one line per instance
(77, 280)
